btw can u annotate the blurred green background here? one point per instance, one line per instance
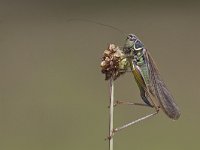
(53, 95)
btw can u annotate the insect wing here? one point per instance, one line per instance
(158, 87)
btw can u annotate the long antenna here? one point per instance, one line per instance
(98, 23)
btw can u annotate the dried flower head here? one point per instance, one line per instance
(113, 62)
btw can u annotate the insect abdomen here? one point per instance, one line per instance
(145, 73)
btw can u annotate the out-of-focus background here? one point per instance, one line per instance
(53, 95)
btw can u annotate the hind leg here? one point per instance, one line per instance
(128, 103)
(143, 96)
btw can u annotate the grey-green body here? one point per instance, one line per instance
(139, 60)
(153, 90)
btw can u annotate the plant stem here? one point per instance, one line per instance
(111, 113)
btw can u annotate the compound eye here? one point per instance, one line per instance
(132, 37)
(138, 45)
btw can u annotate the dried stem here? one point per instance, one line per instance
(111, 113)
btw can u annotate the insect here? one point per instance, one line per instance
(153, 90)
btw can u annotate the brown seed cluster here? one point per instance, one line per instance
(113, 62)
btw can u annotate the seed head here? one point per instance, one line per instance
(113, 62)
